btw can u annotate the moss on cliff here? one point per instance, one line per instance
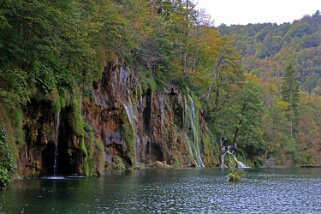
(7, 163)
(210, 150)
(93, 152)
(99, 159)
(12, 136)
(84, 132)
(91, 147)
(171, 135)
(11, 122)
(175, 162)
(75, 117)
(146, 82)
(129, 136)
(86, 165)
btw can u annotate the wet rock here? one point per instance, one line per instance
(108, 159)
(269, 163)
(161, 165)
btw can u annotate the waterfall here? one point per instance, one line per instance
(191, 117)
(140, 104)
(240, 164)
(56, 144)
(133, 121)
(228, 152)
(196, 133)
(130, 114)
(190, 146)
(224, 154)
(125, 80)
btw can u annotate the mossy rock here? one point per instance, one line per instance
(176, 163)
(118, 163)
(209, 151)
(161, 165)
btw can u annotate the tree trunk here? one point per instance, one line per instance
(217, 64)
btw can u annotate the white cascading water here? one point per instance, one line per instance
(124, 77)
(240, 164)
(56, 145)
(194, 147)
(132, 119)
(140, 104)
(223, 157)
(128, 105)
(130, 114)
(190, 146)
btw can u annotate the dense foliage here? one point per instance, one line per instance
(7, 164)
(286, 59)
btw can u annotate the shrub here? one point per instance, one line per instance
(7, 164)
(176, 163)
(235, 176)
(5, 176)
(118, 163)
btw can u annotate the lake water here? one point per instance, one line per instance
(169, 191)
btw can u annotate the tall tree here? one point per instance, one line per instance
(290, 94)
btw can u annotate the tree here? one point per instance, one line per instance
(290, 94)
(241, 118)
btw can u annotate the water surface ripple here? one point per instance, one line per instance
(169, 191)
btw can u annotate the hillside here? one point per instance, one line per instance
(266, 50)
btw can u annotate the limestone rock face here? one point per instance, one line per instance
(37, 155)
(121, 122)
(39, 128)
(155, 118)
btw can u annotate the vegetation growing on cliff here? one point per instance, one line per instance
(128, 133)
(7, 163)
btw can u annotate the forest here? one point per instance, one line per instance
(291, 127)
(253, 89)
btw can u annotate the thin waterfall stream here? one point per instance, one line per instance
(133, 120)
(190, 145)
(192, 120)
(55, 166)
(130, 114)
(128, 106)
(228, 152)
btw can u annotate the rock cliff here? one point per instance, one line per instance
(116, 125)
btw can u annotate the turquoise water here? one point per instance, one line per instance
(169, 191)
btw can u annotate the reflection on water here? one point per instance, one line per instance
(170, 191)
